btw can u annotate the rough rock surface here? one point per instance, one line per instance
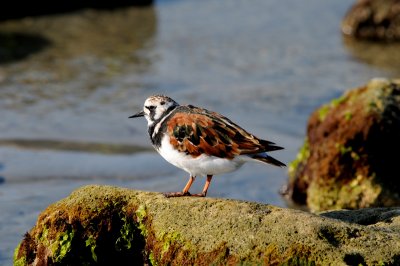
(115, 226)
(373, 19)
(349, 159)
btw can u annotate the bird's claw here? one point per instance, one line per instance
(199, 195)
(182, 194)
(176, 194)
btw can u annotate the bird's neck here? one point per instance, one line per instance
(157, 127)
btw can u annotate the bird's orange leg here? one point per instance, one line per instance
(206, 186)
(185, 191)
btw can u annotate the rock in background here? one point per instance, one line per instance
(24, 8)
(350, 155)
(374, 20)
(115, 226)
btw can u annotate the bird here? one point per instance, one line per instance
(201, 142)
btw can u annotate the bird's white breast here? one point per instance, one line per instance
(198, 166)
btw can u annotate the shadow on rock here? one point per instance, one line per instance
(16, 46)
(372, 216)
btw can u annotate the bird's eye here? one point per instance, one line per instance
(151, 107)
(162, 103)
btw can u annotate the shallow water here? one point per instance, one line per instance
(69, 82)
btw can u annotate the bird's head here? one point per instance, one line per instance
(155, 107)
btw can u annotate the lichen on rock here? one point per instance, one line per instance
(348, 159)
(116, 226)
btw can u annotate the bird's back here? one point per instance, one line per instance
(197, 131)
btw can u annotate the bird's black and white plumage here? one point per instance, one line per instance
(201, 142)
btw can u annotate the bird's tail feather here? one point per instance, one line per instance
(268, 159)
(270, 146)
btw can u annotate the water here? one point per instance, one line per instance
(73, 80)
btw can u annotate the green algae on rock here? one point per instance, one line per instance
(84, 228)
(348, 159)
(108, 225)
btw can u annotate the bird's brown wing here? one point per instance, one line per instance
(197, 131)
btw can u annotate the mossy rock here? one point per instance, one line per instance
(115, 226)
(349, 159)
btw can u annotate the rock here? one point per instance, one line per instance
(349, 158)
(20, 9)
(117, 226)
(373, 19)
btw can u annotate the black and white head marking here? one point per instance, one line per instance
(156, 107)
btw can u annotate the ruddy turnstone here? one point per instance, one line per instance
(201, 142)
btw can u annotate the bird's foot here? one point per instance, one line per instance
(182, 194)
(176, 194)
(199, 195)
